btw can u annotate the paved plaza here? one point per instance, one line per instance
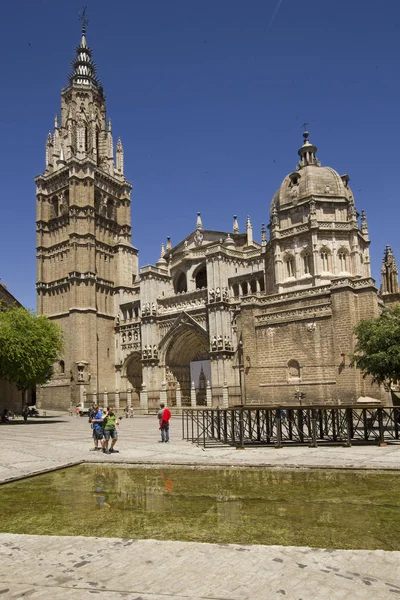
(77, 567)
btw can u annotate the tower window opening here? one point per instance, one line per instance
(342, 256)
(290, 268)
(201, 278)
(324, 260)
(235, 289)
(181, 284)
(306, 264)
(61, 365)
(245, 288)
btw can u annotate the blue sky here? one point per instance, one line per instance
(208, 99)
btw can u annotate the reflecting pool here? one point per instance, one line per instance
(323, 508)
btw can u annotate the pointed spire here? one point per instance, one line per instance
(390, 273)
(119, 156)
(235, 224)
(364, 224)
(263, 235)
(199, 224)
(61, 159)
(307, 153)
(161, 261)
(168, 243)
(83, 67)
(55, 121)
(249, 232)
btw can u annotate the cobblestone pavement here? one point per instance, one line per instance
(80, 568)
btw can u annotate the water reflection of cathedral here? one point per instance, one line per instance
(268, 316)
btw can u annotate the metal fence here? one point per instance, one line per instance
(277, 426)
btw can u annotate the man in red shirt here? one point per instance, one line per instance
(164, 416)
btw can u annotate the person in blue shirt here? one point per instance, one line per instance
(98, 429)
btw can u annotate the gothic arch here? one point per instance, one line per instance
(132, 371)
(180, 282)
(200, 276)
(185, 343)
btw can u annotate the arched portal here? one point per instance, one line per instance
(134, 376)
(186, 347)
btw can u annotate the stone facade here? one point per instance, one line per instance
(263, 321)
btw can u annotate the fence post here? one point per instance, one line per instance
(144, 398)
(278, 423)
(193, 395)
(241, 431)
(313, 428)
(381, 429)
(208, 394)
(116, 398)
(349, 423)
(225, 395)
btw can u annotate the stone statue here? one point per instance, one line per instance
(220, 342)
(217, 294)
(227, 343)
(225, 294)
(153, 309)
(212, 295)
(214, 343)
(155, 351)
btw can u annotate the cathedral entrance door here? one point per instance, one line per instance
(134, 376)
(188, 346)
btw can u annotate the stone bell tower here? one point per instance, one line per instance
(85, 258)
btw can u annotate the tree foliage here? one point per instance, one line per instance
(29, 345)
(377, 351)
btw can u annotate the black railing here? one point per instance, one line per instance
(242, 426)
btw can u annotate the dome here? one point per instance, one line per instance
(310, 179)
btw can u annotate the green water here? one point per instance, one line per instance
(323, 508)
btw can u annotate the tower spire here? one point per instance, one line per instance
(83, 68)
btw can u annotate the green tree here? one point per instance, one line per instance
(377, 351)
(29, 345)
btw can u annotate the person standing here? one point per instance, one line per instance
(164, 415)
(98, 431)
(110, 430)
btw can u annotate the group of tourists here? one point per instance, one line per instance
(104, 423)
(104, 426)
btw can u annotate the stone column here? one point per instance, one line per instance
(193, 395)
(94, 394)
(144, 398)
(163, 393)
(105, 397)
(178, 395)
(208, 394)
(129, 397)
(225, 395)
(116, 398)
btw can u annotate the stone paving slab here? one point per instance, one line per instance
(75, 567)
(70, 567)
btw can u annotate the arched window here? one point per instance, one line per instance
(306, 263)
(201, 278)
(245, 288)
(253, 286)
(61, 365)
(343, 260)
(290, 266)
(180, 283)
(110, 209)
(235, 290)
(325, 257)
(293, 369)
(54, 207)
(261, 284)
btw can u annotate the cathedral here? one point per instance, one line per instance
(221, 319)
